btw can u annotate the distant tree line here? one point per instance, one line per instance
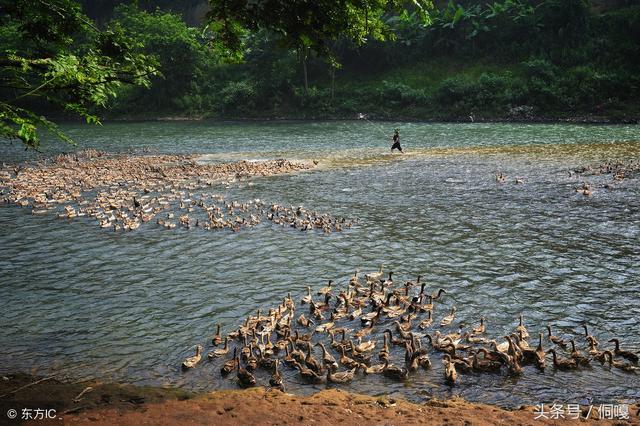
(512, 59)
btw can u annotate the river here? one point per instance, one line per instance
(81, 302)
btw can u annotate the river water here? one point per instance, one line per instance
(81, 302)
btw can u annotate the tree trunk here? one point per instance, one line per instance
(304, 71)
(333, 81)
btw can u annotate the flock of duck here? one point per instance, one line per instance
(618, 169)
(122, 192)
(357, 328)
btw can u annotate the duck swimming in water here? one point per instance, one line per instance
(521, 329)
(245, 378)
(608, 357)
(275, 381)
(450, 373)
(625, 354)
(192, 361)
(562, 364)
(449, 318)
(555, 339)
(217, 339)
(229, 365)
(342, 377)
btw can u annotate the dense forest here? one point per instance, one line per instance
(500, 60)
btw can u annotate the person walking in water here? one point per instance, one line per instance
(396, 141)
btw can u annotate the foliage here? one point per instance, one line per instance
(52, 53)
(180, 50)
(514, 59)
(304, 25)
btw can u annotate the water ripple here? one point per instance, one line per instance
(87, 303)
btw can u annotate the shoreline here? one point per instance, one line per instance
(579, 119)
(97, 403)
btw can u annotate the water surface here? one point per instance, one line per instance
(85, 303)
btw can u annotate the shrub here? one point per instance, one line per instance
(398, 94)
(237, 97)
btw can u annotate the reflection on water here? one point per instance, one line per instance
(87, 303)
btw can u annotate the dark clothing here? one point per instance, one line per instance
(396, 143)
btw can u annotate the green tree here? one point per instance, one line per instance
(305, 25)
(180, 50)
(52, 54)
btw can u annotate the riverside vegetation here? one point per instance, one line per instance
(512, 59)
(468, 60)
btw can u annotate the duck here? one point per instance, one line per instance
(374, 276)
(355, 313)
(335, 343)
(489, 355)
(374, 369)
(403, 327)
(371, 317)
(555, 339)
(417, 300)
(325, 290)
(251, 360)
(246, 379)
(275, 381)
(624, 354)
(481, 328)
(229, 365)
(562, 364)
(327, 358)
(394, 372)
(306, 299)
(502, 347)
(287, 358)
(396, 342)
(354, 281)
(217, 353)
(448, 319)
(192, 361)
(324, 327)
(303, 321)
(540, 353)
(588, 336)
(427, 322)
(346, 361)
(383, 355)
(297, 354)
(450, 373)
(217, 339)
(307, 373)
(608, 357)
(593, 346)
(362, 347)
(388, 282)
(341, 377)
(312, 362)
(421, 354)
(575, 354)
(483, 364)
(521, 329)
(438, 295)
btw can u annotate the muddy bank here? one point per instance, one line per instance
(107, 403)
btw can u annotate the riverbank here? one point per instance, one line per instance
(107, 403)
(580, 119)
